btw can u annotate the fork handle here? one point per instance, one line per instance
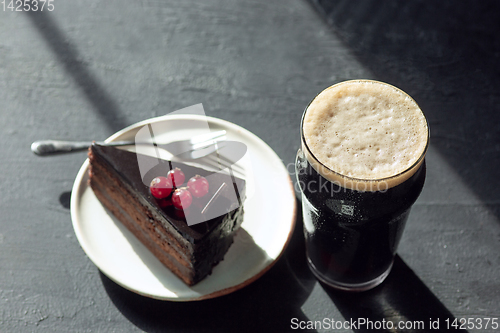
(51, 147)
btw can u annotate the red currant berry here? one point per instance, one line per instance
(176, 176)
(198, 186)
(160, 187)
(182, 198)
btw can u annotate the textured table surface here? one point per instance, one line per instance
(89, 68)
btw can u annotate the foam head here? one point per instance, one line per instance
(365, 135)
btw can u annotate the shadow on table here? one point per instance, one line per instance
(402, 298)
(65, 199)
(266, 305)
(70, 59)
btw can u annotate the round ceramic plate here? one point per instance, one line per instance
(269, 220)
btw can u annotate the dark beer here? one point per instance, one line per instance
(355, 209)
(352, 236)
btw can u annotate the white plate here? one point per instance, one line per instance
(266, 230)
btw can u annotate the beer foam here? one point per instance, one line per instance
(365, 130)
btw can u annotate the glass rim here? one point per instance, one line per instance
(414, 166)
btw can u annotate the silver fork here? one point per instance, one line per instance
(194, 148)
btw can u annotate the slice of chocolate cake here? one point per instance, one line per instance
(189, 251)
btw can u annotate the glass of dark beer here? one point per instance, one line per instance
(360, 168)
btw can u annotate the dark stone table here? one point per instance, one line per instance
(89, 68)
